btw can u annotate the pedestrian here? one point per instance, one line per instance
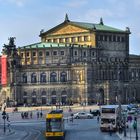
(31, 114)
(7, 117)
(126, 124)
(134, 125)
(110, 128)
(90, 111)
(41, 114)
(71, 117)
(9, 126)
(98, 118)
(37, 115)
(22, 115)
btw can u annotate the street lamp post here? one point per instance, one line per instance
(4, 118)
(136, 129)
(124, 126)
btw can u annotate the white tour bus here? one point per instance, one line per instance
(109, 114)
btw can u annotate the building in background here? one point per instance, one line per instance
(75, 62)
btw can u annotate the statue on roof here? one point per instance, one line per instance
(12, 41)
(101, 21)
(10, 49)
(66, 18)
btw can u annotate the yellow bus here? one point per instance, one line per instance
(55, 124)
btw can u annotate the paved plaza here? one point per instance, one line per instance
(15, 118)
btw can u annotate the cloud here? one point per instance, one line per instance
(18, 3)
(77, 4)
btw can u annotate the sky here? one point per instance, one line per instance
(24, 19)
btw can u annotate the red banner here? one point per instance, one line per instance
(3, 69)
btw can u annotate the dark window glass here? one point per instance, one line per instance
(85, 38)
(108, 110)
(123, 39)
(118, 38)
(101, 37)
(33, 78)
(24, 78)
(63, 77)
(79, 38)
(53, 77)
(21, 54)
(27, 54)
(34, 53)
(55, 40)
(84, 54)
(66, 40)
(110, 38)
(62, 52)
(43, 78)
(49, 40)
(60, 40)
(114, 38)
(47, 53)
(75, 52)
(73, 39)
(55, 53)
(25, 94)
(105, 37)
(40, 53)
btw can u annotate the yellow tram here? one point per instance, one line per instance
(55, 124)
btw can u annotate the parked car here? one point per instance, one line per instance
(83, 115)
(133, 111)
(95, 112)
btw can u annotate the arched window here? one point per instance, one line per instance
(53, 97)
(64, 97)
(24, 78)
(25, 93)
(34, 101)
(43, 78)
(63, 77)
(53, 77)
(33, 94)
(33, 78)
(43, 93)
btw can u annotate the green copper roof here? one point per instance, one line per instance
(99, 27)
(48, 45)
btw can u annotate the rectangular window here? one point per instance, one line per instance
(60, 40)
(101, 37)
(47, 53)
(114, 38)
(118, 38)
(54, 52)
(66, 40)
(55, 40)
(79, 38)
(62, 52)
(122, 39)
(27, 54)
(84, 54)
(98, 37)
(110, 38)
(34, 53)
(21, 54)
(105, 37)
(75, 53)
(85, 38)
(40, 53)
(92, 53)
(49, 40)
(73, 39)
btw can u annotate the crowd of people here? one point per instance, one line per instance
(27, 115)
